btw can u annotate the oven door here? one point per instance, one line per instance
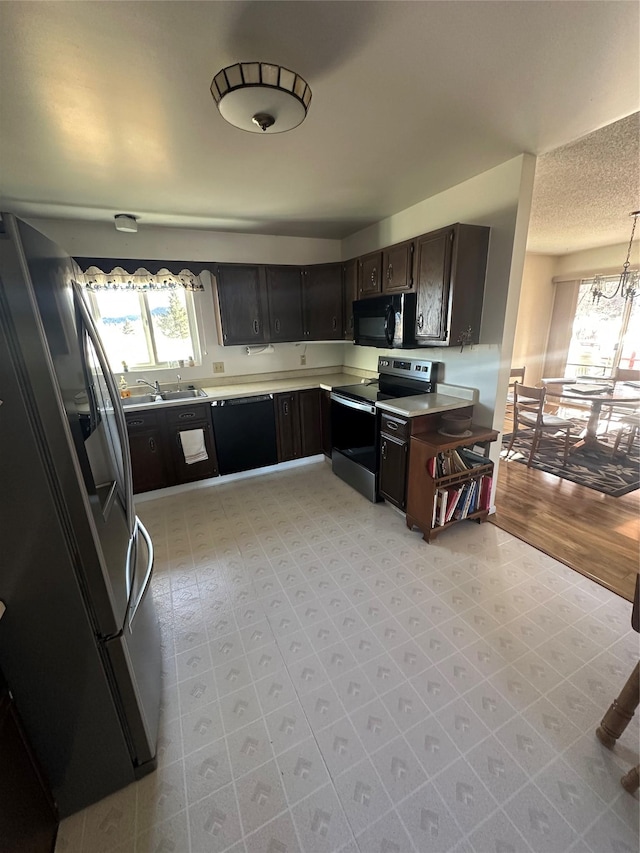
(354, 436)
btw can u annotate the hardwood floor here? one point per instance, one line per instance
(597, 535)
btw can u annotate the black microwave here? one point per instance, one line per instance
(385, 321)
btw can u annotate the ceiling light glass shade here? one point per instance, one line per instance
(261, 97)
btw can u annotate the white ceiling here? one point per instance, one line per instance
(105, 107)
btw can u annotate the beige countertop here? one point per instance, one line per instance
(422, 404)
(254, 389)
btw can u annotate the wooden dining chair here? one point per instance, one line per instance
(620, 413)
(528, 412)
(516, 374)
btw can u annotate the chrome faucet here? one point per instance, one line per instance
(179, 378)
(155, 386)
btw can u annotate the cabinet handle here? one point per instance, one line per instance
(420, 321)
(351, 323)
(389, 272)
(277, 324)
(390, 425)
(286, 408)
(374, 275)
(383, 449)
(135, 423)
(256, 327)
(335, 323)
(186, 415)
(152, 445)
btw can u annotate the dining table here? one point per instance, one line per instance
(597, 395)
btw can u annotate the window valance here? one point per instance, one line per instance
(133, 274)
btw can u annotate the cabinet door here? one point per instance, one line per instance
(397, 268)
(433, 276)
(241, 301)
(393, 470)
(310, 423)
(148, 460)
(322, 300)
(370, 275)
(325, 419)
(284, 297)
(287, 426)
(350, 273)
(148, 454)
(183, 472)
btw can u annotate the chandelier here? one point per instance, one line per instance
(261, 97)
(627, 285)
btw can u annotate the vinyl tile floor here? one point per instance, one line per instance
(333, 683)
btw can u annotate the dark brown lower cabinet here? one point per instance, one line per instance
(157, 458)
(298, 425)
(310, 422)
(28, 816)
(325, 421)
(183, 419)
(393, 469)
(147, 446)
(288, 426)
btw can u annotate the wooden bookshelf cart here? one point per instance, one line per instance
(423, 485)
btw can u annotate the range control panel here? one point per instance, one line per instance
(427, 371)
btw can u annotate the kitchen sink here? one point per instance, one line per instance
(167, 397)
(138, 400)
(182, 395)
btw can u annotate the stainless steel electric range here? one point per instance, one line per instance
(355, 418)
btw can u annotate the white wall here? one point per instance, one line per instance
(499, 198)
(538, 291)
(101, 240)
(98, 239)
(534, 316)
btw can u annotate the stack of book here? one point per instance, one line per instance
(454, 462)
(458, 502)
(460, 499)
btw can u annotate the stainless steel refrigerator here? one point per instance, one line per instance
(79, 641)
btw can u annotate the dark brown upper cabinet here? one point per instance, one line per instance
(322, 302)
(449, 272)
(350, 274)
(397, 268)
(241, 302)
(284, 299)
(370, 275)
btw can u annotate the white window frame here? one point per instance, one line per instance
(147, 325)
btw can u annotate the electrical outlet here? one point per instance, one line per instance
(303, 359)
(218, 366)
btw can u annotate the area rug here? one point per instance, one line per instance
(590, 468)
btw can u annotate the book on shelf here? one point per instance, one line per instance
(452, 503)
(442, 508)
(485, 491)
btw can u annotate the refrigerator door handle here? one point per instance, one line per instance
(130, 567)
(118, 411)
(147, 580)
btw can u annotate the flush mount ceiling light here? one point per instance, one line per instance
(125, 222)
(261, 97)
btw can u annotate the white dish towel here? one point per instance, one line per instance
(193, 446)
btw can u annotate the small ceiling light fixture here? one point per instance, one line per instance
(125, 222)
(261, 97)
(627, 285)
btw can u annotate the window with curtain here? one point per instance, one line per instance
(591, 337)
(605, 333)
(145, 320)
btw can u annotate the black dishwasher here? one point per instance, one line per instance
(245, 433)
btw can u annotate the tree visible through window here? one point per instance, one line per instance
(146, 328)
